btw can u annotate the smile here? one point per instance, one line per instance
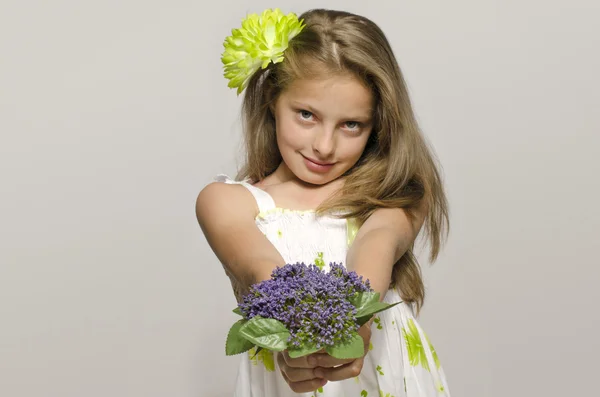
(317, 166)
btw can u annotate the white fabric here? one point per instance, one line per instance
(263, 199)
(401, 361)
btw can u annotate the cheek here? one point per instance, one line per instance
(289, 134)
(353, 149)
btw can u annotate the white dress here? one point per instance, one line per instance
(401, 361)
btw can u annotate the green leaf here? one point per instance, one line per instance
(353, 348)
(238, 311)
(368, 310)
(266, 332)
(363, 320)
(361, 299)
(302, 351)
(236, 343)
(371, 308)
(258, 349)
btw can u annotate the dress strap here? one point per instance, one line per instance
(263, 199)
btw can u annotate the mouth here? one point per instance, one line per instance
(318, 162)
(317, 166)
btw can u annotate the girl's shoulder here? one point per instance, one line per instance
(218, 199)
(225, 192)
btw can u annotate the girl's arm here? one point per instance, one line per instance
(380, 242)
(226, 216)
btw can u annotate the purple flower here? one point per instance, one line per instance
(313, 305)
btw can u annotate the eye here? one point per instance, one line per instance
(305, 115)
(353, 125)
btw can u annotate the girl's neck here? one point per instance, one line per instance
(289, 191)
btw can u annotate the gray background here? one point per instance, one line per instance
(114, 114)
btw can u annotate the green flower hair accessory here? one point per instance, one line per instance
(260, 41)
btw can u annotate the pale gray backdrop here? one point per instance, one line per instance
(114, 114)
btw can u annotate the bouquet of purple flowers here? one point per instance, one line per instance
(304, 309)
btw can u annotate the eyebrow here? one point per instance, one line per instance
(296, 104)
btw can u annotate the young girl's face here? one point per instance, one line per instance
(323, 126)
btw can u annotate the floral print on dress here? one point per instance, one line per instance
(399, 348)
(264, 356)
(416, 347)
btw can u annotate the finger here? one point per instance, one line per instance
(300, 362)
(365, 333)
(305, 386)
(298, 374)
(291, 373)
(327, 361)
(346, 371)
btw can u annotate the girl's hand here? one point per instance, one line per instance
(299, 373)
(334, 369)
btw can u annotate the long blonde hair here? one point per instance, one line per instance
(397, 168)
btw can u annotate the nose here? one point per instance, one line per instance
(324, 143)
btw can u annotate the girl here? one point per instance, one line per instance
(336, 170)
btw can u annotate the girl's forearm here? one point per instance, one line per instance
(373, 256)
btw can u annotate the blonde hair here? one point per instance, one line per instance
(397, 168)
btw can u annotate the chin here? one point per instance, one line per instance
(314, 178)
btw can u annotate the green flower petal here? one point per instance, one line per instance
(260, 41)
